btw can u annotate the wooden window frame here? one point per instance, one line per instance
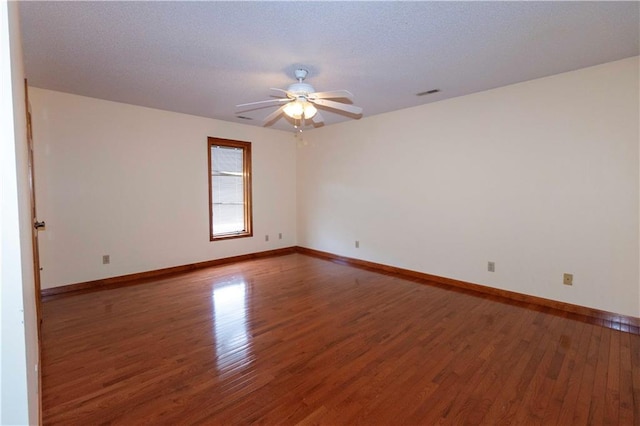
(248, 207)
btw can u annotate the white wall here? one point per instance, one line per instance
(131, 182)
(540, 177)
(19, 403)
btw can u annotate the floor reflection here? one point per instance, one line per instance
(230, 319)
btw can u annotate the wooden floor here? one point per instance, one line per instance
(300, 340)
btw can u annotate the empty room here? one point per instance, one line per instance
(374, 213)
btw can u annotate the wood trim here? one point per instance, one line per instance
(604, 318)
(33, 212)
(132, 279)
(247, 179)
(591, 315)
(34, 241)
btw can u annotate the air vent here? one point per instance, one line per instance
(242, 117)
(428, 92)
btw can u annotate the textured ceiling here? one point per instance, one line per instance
(203, 58)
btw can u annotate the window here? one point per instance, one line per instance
(229, 189)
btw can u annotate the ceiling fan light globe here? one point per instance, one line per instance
(309, 110)
(294, 109)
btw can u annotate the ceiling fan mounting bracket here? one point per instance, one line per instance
(301, 74)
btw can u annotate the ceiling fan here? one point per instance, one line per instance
(299, 101)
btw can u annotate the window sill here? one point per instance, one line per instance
(230, 236)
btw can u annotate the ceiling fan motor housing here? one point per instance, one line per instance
(301, 88)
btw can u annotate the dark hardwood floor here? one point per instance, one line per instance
(300, 340)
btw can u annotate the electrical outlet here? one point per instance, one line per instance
(491, 266)
(266, 238)
(357, 244)
(280, 235)
(106, 259)
(567, 279)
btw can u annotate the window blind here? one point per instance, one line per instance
(227, 185)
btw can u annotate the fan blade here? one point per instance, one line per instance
(317, 118)
(288, 94)
(337, 105)
(261, 104)
(275, 114)
(331, 94)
